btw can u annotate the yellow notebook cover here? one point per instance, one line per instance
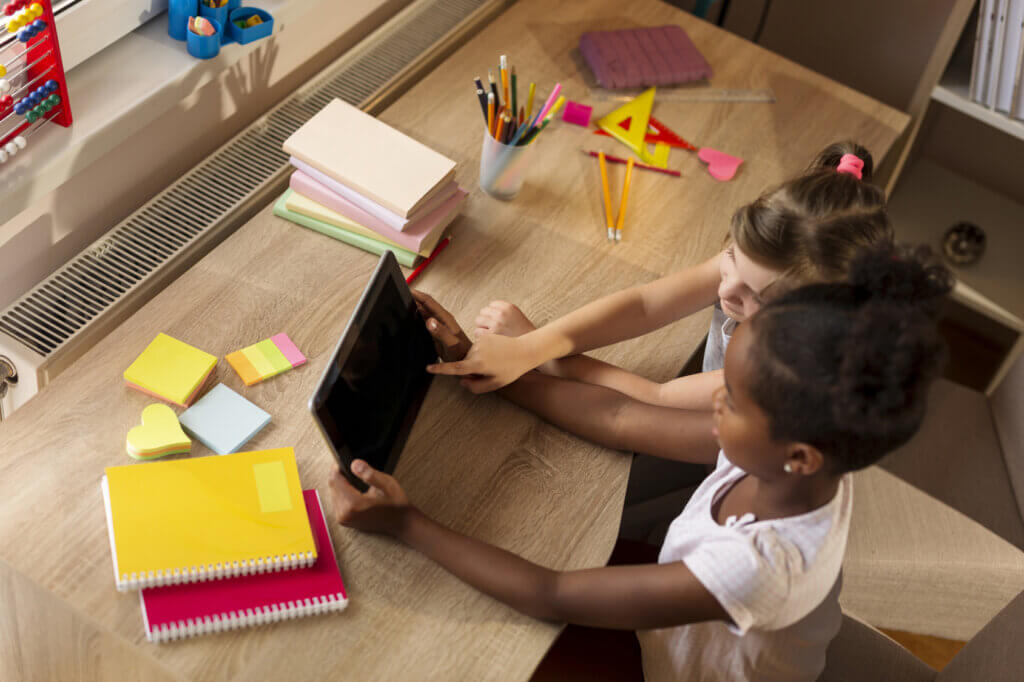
(170, 369)
(205, 518)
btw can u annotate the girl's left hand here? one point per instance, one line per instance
(383, 508)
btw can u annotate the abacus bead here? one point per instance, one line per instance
(3, 70)
(52, 85)
(6, 102)
(39, 25)
(5, 85)
(11, 148)
(12, 25)
(9, 9)
(24, 35)
(32, 117)
(53, 99)
(21, 142)
(57, 98)
(36, 9)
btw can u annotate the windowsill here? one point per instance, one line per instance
(116, 93)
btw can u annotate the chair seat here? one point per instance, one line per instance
(915, 564)
(957, 458)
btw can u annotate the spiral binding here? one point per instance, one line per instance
(194, 574)
(234, 620)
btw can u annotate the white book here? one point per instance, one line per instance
(1017, 100)
(1011, 50)
(367, 155)
(996, 53)
(982, 50)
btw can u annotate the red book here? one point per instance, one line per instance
(187, 610)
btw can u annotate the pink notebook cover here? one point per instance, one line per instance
(369, 207)
(642, 57)
(411, 238)
(179, 611)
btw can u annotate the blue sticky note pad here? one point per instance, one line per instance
(223, 421)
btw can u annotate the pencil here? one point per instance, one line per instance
(481, 95)
(504, 78)
(529, 100)
(433, 254)
(515, 106)
(494, 89)
(625, 199)
(607, 197)
(501, 128)
(522, 115)
(490, 113)
(615, 159)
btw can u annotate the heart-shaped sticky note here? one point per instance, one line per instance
(159, 434)
(721, 166)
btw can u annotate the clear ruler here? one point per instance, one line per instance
(689, 94)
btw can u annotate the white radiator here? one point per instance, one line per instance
(66, 314)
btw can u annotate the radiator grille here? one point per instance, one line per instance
(61, 306)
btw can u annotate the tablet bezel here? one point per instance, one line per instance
(387, 270)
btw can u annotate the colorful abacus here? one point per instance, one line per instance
(33, 88)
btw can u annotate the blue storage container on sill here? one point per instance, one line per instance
(247, 35)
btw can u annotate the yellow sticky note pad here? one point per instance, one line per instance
(170, 369)
(272, 487)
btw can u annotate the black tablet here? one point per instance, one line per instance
(375, 382)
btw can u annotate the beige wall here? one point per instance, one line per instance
(879, 47)
(54, 229)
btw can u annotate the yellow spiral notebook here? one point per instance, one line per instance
(206, 518)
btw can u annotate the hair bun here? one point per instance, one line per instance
(829, 158)
(888, 361)
(901, 275)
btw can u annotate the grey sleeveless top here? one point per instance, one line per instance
(722, 327)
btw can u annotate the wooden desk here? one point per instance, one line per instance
(478, 464)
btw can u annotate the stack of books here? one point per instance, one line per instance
(216, 543)
(362, 182)
(997, 70)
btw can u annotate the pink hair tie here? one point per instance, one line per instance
(852, 164)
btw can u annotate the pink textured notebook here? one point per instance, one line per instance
(180, 611)
(642, 57)
(420, 235)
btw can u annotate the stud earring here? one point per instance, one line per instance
(787, 467)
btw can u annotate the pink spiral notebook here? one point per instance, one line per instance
(180, 611)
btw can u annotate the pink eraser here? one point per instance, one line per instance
(577, 113)
(288, 349)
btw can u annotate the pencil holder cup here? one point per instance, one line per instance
(205, 47)
(217, 15)
(178, 12)
(503, 168)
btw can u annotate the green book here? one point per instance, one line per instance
(406, 258)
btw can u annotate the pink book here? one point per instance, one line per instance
(180, 611)
(371, 208)
(420, 235)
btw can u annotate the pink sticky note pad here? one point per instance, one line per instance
(577, 113)
(288, 349)
(721, 166)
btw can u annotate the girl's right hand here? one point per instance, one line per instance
(493, 361)
(502, 317)
(383, 508)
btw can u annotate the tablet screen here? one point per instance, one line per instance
(377, 380)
